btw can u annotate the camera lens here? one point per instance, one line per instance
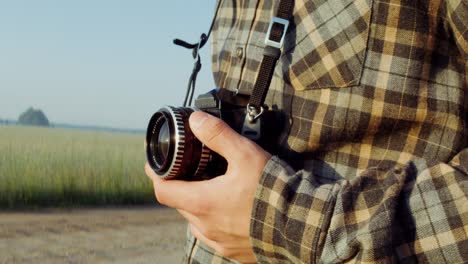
(160, 142)
(172, 151)
(163, 141)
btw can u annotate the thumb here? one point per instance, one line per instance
(217, 135)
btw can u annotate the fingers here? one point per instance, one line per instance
(188, 196)
(189, 217)
(199, 235)
(149, 172)
(231, 250)
(217, 135)
(207, 232)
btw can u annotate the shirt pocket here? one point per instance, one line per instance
(327, 45)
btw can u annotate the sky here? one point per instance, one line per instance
(107, 63)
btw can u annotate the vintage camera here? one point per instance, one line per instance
(172, 150)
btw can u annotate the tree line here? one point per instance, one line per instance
(30, 117)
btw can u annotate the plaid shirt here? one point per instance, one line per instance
(373, 162)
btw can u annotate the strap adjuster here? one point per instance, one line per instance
(253, 113)
(285, 24)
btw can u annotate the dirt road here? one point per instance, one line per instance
(130, 235)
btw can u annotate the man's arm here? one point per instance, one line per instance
(416, 210)
(408, 213)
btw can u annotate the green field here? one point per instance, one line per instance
(59, 167)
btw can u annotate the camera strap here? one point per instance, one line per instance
(196, 47)
(274, 41)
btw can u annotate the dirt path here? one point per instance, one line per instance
(131, 235)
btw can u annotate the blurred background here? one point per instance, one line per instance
(79, 81)
(104, 63)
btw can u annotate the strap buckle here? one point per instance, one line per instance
(253, 113)
(285, 24)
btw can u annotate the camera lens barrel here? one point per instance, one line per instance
(172, 150)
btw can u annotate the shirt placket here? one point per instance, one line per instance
(241, 42)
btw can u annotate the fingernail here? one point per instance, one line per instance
(197, 119)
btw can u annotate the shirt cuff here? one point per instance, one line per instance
(282, 222)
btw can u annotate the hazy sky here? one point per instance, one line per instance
(98, 62)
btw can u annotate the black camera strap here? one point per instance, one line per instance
(196, 47)
(273, 43)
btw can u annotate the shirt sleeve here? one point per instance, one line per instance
(414, 212)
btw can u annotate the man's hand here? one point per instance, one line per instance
(219, 210)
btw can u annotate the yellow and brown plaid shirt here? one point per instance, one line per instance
(373, 165)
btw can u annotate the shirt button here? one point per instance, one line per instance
(398, 170)
(239, 52)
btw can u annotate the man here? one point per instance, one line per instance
(373, 157)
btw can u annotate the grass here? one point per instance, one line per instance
(58, 167)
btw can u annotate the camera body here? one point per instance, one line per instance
(172, 150)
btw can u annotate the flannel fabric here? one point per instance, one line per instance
(373, 159)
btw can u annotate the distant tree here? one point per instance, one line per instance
(5, 121)
(33, 117)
